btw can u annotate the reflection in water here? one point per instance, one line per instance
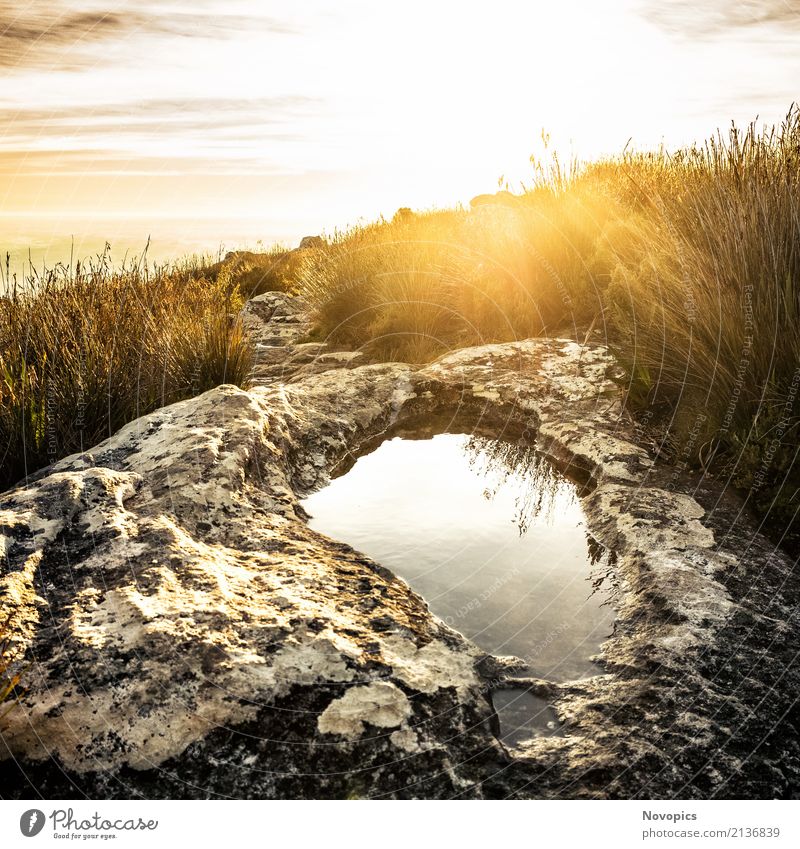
(538, 485)
(494, 539)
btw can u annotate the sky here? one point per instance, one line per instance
(206, 123)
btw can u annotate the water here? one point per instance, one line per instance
(47, 240)
(494, 539)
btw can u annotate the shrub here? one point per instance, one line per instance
(390, 286)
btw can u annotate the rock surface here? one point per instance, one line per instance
(190, 636)
(312, 242)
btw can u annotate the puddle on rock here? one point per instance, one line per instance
(523, 715)
(495, 540)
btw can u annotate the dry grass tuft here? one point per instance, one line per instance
(85, 350)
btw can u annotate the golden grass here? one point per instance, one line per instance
(85, 350)
(706, 315)
(277, 270)
(421, 284)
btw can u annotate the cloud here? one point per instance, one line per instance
(135, 135)
(62, 36)
(88, 162)
(208, 111)
(716, 17)
(35, 38)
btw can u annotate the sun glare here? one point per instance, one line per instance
(310, 117)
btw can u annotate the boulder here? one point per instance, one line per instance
(311, 242)
(187, 635)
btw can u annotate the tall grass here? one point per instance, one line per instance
(389, 285)
(277, 270)
(688, 263)
(84, 350)
(421, 284)
(707, 319)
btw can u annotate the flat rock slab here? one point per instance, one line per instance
(189, 636)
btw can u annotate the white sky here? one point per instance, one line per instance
(304, 116)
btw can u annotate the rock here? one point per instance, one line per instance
(500, 666)
(181, 614)
(190, 636)
(311, 242)
(380, 703)
(501, 198)
(403, 214)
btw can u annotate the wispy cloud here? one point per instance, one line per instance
(37, 37)
(206, 111)
(87, 162)
(719, 17)
(81, 68)
(210, 132)
(62, 36)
